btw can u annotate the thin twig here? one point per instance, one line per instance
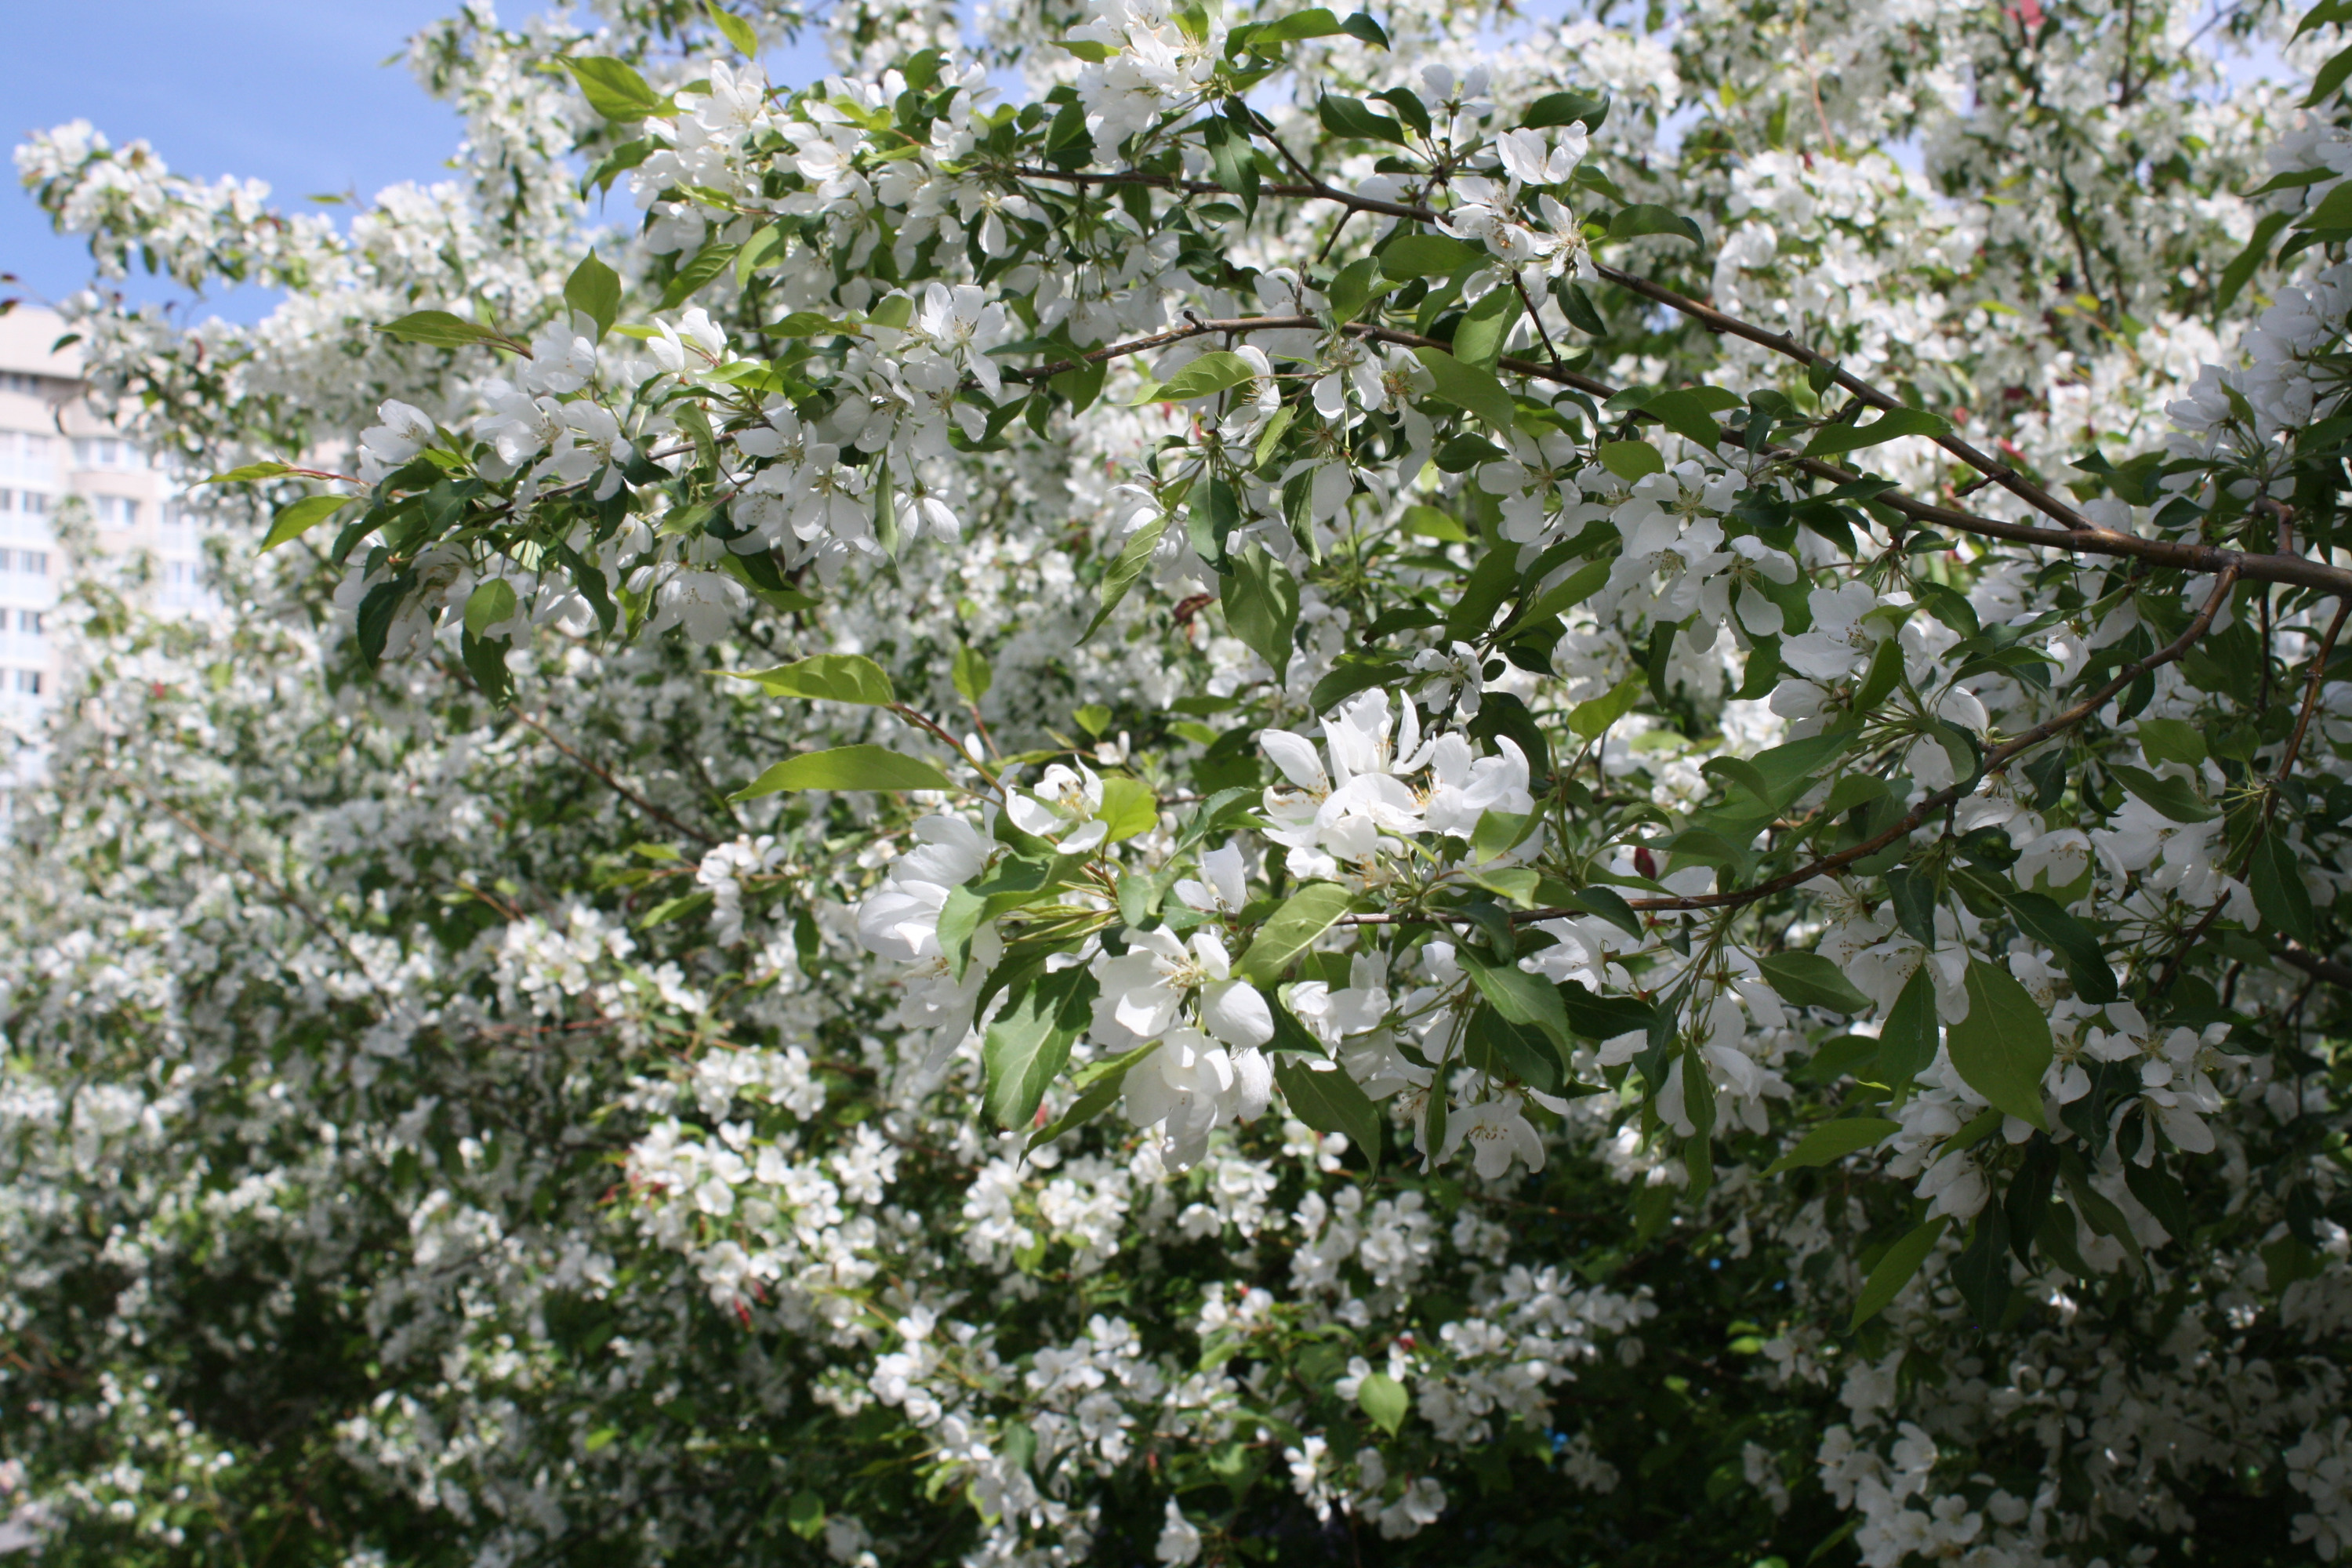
(632, 796)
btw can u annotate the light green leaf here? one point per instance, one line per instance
(492, 601)
(1894, 1270)
(1593, 716)
(1426, 256)
(1832, 439)
(1205, 378)
(1384, 1401)
(1348, 117)
(1468, 386)
(1809, 980)
(825, 678)
(1835, 1140)
(737, 31)
(1314, 23)
(1631, 460)
(616, 90)
(1098, 1086)
(707, 264)
(1292, 929)
(250, 474)
(1128, 808)
(441, 330)
(846, 767)
(1686, 415)
(2002, 1047)
(295, 521)
(2171, 741)
(1485, 327)
(1133, 557)
(972, 675)
(594, 291)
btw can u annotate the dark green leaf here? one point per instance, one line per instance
(1894, 1270)
(2002, 1047)
(1809, 980)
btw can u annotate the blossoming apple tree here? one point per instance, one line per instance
(1209, 810)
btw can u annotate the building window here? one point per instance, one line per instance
(31, 563)
(29, 682)
(32, 503)
(17, 380)
(29, 622)
(114, 511)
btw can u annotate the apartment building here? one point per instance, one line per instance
(56, 455)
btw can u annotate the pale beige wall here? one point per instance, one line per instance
(52, 447)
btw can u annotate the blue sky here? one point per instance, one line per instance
(294, 92)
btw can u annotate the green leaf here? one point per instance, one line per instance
(295, 521)
(250, 474)
(1644, 217)
(1566, 109)
(1292, 929)
(2328, 78)
(1894, 1270)
(1518, 997)
(2172, 797)
(708, 263)
(1261, 605)
(1133, 557)
(1362, 28)
(1686, 415)
(1610, 905)
(1479, 340)
(1352, 673)
(616, 90)
(1323, 1096)
(1809, 980)
(1029, 1042)
(2276, 881)
(1835, 1140)
(1631, 460)
(1087, 49)
(805, 1515)
(1832, 439)
(825, 678)
(972, 675)
(1384, 1401)
(1098, 1086)
(2047, 922)
(1205, 378)
(1348, 117)
(2002, 1047)
(2241, 268)
(1314, 23)
(1908, 1038)
(1414, 255)
(1469, 387)
(846, 767)
(1128, 808)
(736, 30)
(594, 291)
(442, 329)
(2171, 741)
(492, 601)
(1593, 716)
